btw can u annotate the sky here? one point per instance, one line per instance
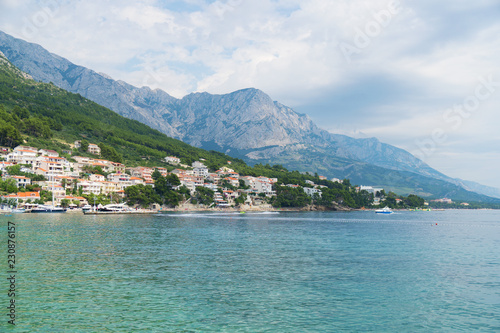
(420, 75)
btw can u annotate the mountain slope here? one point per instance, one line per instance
(247, 124)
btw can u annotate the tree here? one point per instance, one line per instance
(110, 153)
(8, 185)
(414, 201)
(185, 192)
(84, 145)
(164, 188)
(15, 170)
(173, 180)
(172, 198)
(243, 186)
(141, 195)
(93, 170)
(203, 195)
(75, 186)
(290, 197)
(37, 127)
(241, 199)
(65, 203)
(22, 113)
(100, 199)
(226, 184)
(156, 174)
(9, 135)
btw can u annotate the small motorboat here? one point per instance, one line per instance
(386, 210)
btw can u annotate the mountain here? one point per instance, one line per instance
(246, 124)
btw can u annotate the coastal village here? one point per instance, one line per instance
(73, 180)
(70, 180)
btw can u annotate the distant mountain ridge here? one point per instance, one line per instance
(247, 123)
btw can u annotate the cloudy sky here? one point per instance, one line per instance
(418, 74)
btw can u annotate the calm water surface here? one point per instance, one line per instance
(287, 272)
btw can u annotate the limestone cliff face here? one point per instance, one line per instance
(244, 119)
(247, 123)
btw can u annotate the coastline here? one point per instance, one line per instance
(189, 208)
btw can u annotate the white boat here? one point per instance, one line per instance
(5, 210)
(86, 207)
(386, 210)
(114, 208)
(48, 209)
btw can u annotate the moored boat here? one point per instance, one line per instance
(86, 208)
(47, 209)
(114, 208)
(386, 210)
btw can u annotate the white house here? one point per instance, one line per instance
(97, 178)
(118, 177)
(22, 156)
(55, 166)
(172, 160)
(4, 165)
(21, 181)
(371, 190)
(310, 191)
(210, 186)
(259, 185)
(48, 152)
(90, 187)
(200, 169)
(232, 181)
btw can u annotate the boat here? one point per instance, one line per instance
(5, 209)
(114, 208)
(386, 210)
(117, 209)
(48, 209)
(18, 210)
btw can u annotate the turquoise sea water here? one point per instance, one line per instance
(286, 272)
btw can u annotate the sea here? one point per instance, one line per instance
(420, 271)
